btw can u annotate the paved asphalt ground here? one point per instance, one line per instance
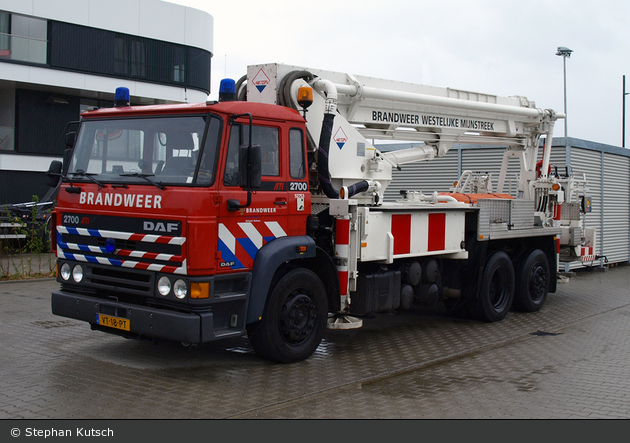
(571, 360)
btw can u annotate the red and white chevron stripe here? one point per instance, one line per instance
(587, 253)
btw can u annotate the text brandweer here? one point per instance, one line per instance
(123, 200)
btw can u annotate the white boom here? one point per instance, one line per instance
(370, 108)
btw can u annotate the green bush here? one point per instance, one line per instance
(25, 242)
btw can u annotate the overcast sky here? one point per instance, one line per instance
(500, 47)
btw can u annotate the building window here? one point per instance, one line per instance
(138, 59)
(23, 38)
(7, 138)
(121, 56)
(40, 121)
(179, 65)
(97, 51)
(5, 34)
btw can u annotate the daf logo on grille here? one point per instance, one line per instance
(160, 226)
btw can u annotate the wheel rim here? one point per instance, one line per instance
(497, 290)
(538, 281)
(297, 321)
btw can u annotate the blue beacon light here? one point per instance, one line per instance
(122, 97)
(227, 90)
(110, 245)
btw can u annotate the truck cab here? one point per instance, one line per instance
(162, 211)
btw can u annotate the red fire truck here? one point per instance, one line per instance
(263, 213)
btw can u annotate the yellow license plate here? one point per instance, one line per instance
(113, 322)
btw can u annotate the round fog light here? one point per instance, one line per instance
(77, 273)
(164, 286)
(65, 271)
(180, 289)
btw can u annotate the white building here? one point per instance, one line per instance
(58, 57)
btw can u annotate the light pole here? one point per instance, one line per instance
(565, 52)
(623, 113)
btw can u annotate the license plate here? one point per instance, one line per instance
(113, 322)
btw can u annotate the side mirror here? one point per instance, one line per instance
(251, 178)
(53, 175)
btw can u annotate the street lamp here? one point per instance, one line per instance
(623, 113)
(565, 52)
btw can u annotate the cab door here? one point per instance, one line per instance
(299, 196)
(244, 231)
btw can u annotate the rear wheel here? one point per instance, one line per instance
(294, 319)
(496, 292)
(532, 282)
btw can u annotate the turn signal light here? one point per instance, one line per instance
(556, 186)
(200, 290)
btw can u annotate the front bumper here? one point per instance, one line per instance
(144, 321)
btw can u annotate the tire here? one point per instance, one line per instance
(496, 292)
(532, 282)
(294, 320)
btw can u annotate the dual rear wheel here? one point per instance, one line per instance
(503, 288)
(532, 282)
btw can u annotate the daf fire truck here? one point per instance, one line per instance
(264, 213)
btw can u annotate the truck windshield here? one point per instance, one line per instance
(157, 150)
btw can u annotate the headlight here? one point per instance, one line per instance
(164, 286)
(180, 289)
(65, 271)
(77, 273)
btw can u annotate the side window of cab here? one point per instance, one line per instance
(266, 137)
(296, 154)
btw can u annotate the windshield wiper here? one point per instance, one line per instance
(88, 175)
(146, 177)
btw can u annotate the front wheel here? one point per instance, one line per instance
(294, 320)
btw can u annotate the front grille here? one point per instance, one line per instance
(131, 281)
(122, 244)
(130, 251)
